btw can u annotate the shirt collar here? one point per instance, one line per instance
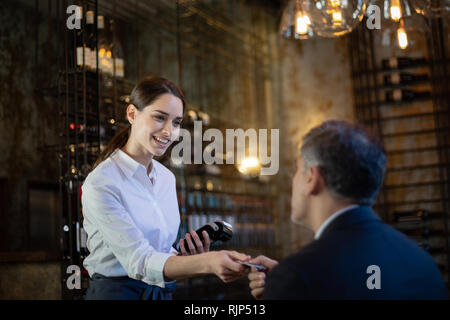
(130, 166)
(331, 218)
(152, 174)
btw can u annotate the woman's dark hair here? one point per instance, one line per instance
(143, 94)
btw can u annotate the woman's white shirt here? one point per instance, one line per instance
(131, 222)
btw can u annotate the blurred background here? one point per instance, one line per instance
(262, 64)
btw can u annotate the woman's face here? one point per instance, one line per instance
(158, 124)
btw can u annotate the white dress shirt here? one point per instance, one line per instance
(331, 218)
(131, 222)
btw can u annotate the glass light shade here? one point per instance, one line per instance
(295, 23)
(431, 8)
(407, 36)
(395, 10)
(334, 18)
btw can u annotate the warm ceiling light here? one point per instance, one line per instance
(402, 37)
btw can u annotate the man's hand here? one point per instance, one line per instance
(257, 278)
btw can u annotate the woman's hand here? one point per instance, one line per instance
(225, 265)
(201, 247)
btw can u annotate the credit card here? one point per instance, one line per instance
(257, 266)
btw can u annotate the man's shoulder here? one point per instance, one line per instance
(339, 246)
(287, 281)
(304, 260)
(296, 276)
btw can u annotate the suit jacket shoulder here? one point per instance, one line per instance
(339, 265)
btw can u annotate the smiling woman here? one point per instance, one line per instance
(154, 128)
(145, 94)
(130, 208)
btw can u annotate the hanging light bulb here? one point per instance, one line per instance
(334, 18)
(302, 23)
(415, 30)
(295, 23)
(407, 36)
(336, 13)
(431, 8)
(395, 10)
(402, 36)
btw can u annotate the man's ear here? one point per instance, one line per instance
(314, 180)
(131, 113)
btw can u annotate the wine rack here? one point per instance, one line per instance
(93, 89)
(403, 99)
(89, 97)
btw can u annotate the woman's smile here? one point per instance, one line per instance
(161, 142)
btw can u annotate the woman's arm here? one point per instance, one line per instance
(141, 261)
(221, 263)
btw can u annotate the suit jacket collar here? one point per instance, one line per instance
(354, 216)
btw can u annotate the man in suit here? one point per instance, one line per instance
(354, 255)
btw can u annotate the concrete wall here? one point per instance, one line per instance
(316, 86)
(28, 119)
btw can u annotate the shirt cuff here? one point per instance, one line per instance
(155, 269)
(173, 251)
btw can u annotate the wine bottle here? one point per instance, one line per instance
(91, 46)
(423, 232)
(405, 95)
(403, 78)
(117, 52)
(192, 115)
(431, 249)
(73, 126)
(204, 117)
(199, 200)
(104, 48)
(81, 57)
(415, 215)
(402, 63)
(190, 200)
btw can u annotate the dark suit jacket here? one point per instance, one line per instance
(335, 265)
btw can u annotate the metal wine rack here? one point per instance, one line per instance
(89, 104)
(415, 134)
(91, 109)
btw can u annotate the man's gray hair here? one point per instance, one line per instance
(352, 162)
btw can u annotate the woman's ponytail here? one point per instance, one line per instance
(119, 140)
